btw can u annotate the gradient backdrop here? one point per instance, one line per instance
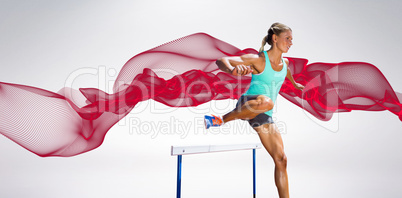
(51, 44)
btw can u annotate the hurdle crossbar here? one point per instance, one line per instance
(179, 151)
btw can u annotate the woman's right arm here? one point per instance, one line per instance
(236, 65)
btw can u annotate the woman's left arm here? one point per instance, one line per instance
(290, 77)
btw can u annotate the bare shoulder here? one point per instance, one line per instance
(257, 62)
(286, 61)
(250, 58)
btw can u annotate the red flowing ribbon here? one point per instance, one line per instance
(181, 73)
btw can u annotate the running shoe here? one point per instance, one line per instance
(212, 121)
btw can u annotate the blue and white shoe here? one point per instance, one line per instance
(212, 121)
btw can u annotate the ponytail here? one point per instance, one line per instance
(264, 41)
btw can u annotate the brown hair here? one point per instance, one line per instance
(277, 29)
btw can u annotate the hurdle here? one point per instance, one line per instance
(179, 151)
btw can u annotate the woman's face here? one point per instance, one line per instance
(284, 41)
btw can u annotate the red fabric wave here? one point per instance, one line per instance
(180, 73)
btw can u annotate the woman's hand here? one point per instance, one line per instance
(299, 86)
(241, 70)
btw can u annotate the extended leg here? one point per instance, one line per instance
(250, 109)
(272, 141)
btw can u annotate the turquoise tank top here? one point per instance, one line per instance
(268, 82)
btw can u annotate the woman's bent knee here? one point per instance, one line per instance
(265, 103)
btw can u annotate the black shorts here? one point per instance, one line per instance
(261, 118)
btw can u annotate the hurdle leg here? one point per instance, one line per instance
(178, 192)
(254, 187)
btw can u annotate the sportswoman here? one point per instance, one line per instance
(269, 70)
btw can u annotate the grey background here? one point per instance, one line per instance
(357, 154)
